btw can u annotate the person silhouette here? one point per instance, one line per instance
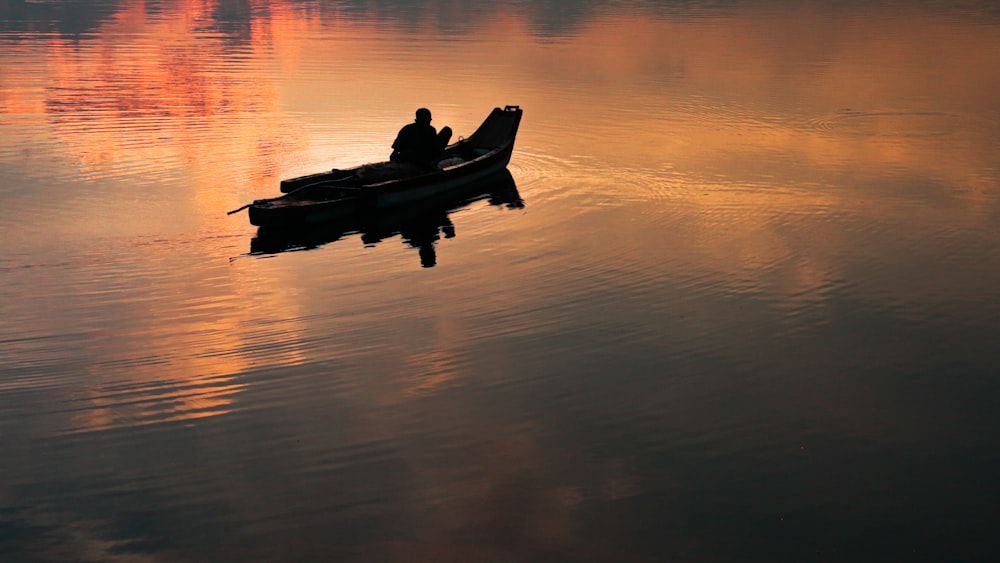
(418, 143)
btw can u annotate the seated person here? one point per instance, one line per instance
(419, 143)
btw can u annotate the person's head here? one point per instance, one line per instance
(423, 115)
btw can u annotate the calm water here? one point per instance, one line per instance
(739, 299)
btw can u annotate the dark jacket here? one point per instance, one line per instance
(416, 143)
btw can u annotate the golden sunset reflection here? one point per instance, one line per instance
(147, 100)
(667, 84)
(162, 95)
(179, 358)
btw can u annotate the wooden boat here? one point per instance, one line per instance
(328, 195)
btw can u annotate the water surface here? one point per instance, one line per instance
(738, 299)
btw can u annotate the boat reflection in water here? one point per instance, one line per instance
(420, 224)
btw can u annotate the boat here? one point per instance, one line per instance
(420, 224)
(316, 198)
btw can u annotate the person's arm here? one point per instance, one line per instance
(403, 140)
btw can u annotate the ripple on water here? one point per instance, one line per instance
(532, 165)
(888, 123)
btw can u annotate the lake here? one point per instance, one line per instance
(737, 300)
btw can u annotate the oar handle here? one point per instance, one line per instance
(240, 209)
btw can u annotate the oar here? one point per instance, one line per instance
(314, 184)
(300, 188)
(240, 209)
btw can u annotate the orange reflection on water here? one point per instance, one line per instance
(163, 98)
(732, 116)
(824, 95)
(683, 92)
(178, 357)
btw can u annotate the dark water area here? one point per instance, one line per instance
(737, 299)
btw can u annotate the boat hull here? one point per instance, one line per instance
(421, 217)
(309, 213)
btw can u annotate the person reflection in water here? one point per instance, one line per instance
(424, 234)
(419, 143)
